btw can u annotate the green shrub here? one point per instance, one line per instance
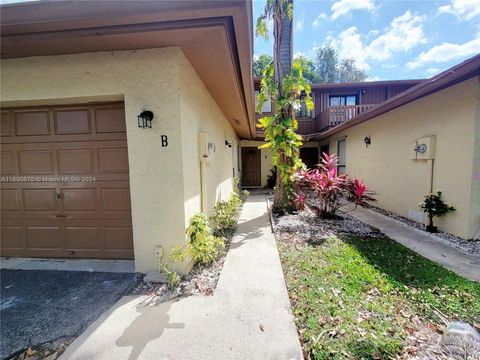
(224, 214)
(172, 277)
(203, 247)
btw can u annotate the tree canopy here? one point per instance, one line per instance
(327, 67)
(331, 68)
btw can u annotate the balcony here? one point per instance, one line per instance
(337, 115)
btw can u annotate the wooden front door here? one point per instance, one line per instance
(65, 182)
(251, 167)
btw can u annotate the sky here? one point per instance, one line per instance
(390, 40)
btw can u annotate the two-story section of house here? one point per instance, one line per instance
(404, 138)
(334, 104)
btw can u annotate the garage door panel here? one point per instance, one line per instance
(9, 200)
(116, 199)
(13, 237)
(33, 122)
(7, 163)
(110, 120)
(36, 162)
(80, 199)
(113, 160)
(118, 238)
(76, 121)
(84, 238)
(5, 124)
(39, 199)
(45, 237)
(73, 197)
(75, 161)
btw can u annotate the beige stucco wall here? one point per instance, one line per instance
(200, 114)
(266, 156)
(452, 116)
(163, 180)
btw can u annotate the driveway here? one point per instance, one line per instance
(43, 305)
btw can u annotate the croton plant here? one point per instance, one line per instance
(324, 190)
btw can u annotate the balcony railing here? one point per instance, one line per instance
(339, 114)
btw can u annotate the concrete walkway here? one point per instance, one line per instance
(462, 263)
(248, 317)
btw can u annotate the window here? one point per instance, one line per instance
(341, 146)
(343, 100)
(267, 105)
(303, 112)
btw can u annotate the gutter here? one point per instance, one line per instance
(461, 72)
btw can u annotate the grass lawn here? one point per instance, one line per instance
(362, 298)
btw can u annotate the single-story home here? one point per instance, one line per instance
(83, 174)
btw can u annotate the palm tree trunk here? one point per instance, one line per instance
(282, 62)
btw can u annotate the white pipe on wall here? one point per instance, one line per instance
(203, 184)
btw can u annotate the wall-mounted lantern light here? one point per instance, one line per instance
(145, 119)
(367, 141)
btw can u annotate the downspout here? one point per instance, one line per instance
(203, 184)
(430, 163)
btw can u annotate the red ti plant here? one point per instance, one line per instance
(325, 191)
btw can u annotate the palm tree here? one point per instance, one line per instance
(281, 12)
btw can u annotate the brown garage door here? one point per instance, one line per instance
(65, 186)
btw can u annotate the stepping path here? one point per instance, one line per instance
(248, 317)
(462, 263)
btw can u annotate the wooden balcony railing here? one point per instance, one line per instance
(339, 114)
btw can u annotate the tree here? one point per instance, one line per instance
(284, 83)
(308, 68)
(348, 72)
(331, 68)
(261, 63)
(326, 64)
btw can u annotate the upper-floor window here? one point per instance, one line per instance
(267, 105)
(303, 112)
(342, 100)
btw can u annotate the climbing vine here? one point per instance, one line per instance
(285, 85)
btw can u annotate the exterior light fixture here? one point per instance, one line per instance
(367, 141)
(145, 119)
(364, 91)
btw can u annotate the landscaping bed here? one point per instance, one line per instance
(356, 294)
(469, 246)
(203, 278)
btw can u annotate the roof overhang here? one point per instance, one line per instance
(216, 37)
(461, 72)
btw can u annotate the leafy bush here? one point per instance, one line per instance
(434, 206)
(223, 217)
(172, 277)
(203, 247)
(329, 190)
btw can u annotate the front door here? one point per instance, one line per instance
(251, 167)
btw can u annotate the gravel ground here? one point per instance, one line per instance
(40, 307)
(307, 227)
(469, 246)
